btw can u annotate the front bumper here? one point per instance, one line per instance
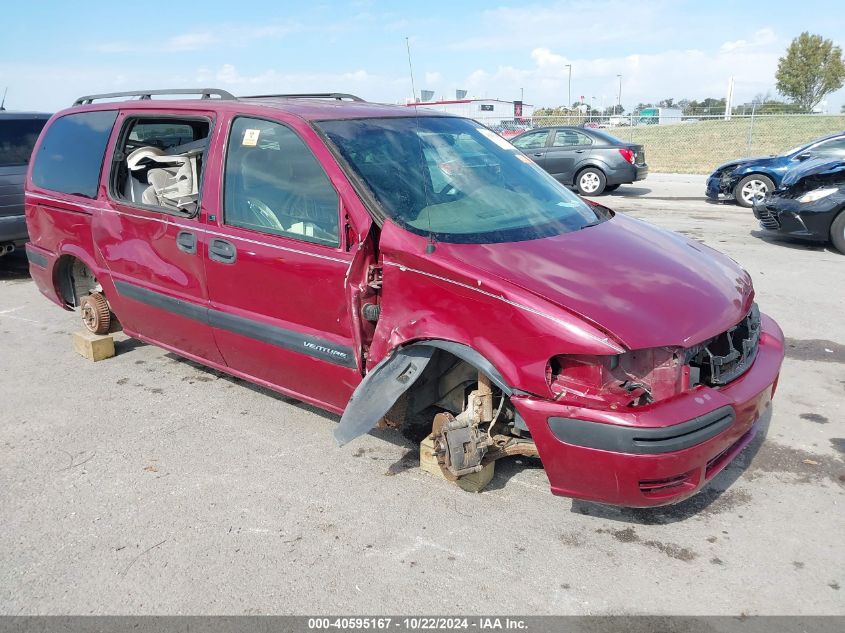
(657, 454)
(717, 190)
(808, 221)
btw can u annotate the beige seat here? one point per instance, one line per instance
(173, 184)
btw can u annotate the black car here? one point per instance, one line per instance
(18, 133)
(591, 160)
(809, 205)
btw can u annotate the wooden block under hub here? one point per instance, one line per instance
(93, 346)
(474, 482)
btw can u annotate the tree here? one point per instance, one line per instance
(812, 68)
(666, 103)
(842, 109)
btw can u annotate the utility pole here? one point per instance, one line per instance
(569, 94)
(411, 70)
(619, 96)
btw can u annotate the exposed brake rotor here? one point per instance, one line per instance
(441, 450)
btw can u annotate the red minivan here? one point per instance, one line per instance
(382, 263)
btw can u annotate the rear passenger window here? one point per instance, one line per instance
(565, 138)
(274, 184)
(70, 157)
(17, 138)
(159, 162)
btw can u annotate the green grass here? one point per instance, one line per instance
(696, 148)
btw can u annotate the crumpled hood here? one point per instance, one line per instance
(815, 167)
(733, 164)
(646, 286)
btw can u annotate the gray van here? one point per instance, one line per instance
(18, 133)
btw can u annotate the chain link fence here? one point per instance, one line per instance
(695, 144)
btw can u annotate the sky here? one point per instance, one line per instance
(53, 52)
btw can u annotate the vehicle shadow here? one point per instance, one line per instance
(508, 467)
(789, 242)
(14, 267)
(709, 500)
(625, 191)
(240, 382)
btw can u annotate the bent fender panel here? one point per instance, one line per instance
(472, 357)
(395, 375)
(374, 396)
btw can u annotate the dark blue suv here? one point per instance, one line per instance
(749, 179)
(18, 133)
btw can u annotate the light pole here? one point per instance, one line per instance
(619, 96)
(569, 94)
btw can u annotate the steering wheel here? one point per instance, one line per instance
(263, 214)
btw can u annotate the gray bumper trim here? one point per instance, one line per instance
(643, 440)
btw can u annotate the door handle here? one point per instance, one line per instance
(537, 155)
(580, 151)
(186, 242)
(222, 251)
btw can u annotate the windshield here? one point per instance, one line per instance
(456, 180)
(789, 152)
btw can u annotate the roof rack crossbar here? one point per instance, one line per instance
(339, 96)
(145, 95)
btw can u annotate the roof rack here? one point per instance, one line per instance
(339, 96)
(146, 95)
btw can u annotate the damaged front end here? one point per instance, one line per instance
(807, 203)
(643, 377)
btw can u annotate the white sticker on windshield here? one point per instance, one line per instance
(498, 140)
(251, 137)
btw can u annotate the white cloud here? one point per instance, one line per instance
(432, 78)
(646, 77)
(577, 25)
(190, 41)
(227, 35)
(761, 38)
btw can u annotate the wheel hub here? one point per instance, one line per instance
(589, 182)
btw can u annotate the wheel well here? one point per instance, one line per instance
(581, 170)
(753, 173)
(73, 280)
(443, 386)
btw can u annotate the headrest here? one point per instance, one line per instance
(139, 158)
(133, 160)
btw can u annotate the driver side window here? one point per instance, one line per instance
(274, 184)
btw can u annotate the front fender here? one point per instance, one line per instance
(774, 173)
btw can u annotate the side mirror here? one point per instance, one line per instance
(803, 156)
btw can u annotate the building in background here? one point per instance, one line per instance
(490, 112)
(660, 116)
